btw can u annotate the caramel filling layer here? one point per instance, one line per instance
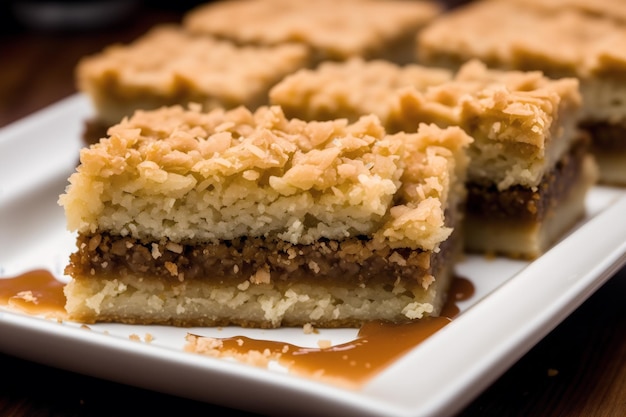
(348, 262)
(526, 204)
(607, 137)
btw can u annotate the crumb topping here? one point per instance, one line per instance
(503, 106)
(351, 88)
(167, 62)
(214, 347)
(195, 176)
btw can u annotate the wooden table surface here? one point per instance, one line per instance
(579, 369)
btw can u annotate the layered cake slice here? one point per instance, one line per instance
(561, 42)
(167, 66)
(332, 29)
(529, 170)
(249, 218)
(604, 116)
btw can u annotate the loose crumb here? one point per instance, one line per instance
(309, 329)
(324, 343)
(136, 338)
(27, 296)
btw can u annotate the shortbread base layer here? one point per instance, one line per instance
(528, 237)
(248, 287)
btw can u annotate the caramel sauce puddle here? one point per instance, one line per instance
(350, 364)
(34, 292)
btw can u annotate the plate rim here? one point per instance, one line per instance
(379, 397)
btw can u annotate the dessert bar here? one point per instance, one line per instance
(561, 42)
(234, 217)
(168, 66)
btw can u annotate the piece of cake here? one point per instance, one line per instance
(167, 66)
(529, 170)
(332, 29)
(252, 219)
(531, 167)
(563, 42)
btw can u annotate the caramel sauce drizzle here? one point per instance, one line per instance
(34, 292)
(350, 364)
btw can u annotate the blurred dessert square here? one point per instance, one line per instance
(353, 88)
(612, 9)
(332, 29)
(168, 66)
(576, 39)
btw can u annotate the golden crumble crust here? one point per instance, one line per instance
(197, 176)
(168, 66)
(350, 89)
(336, 223)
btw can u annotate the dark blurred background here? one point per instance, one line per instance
(81, 15)
(42, 41)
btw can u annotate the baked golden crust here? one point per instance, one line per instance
(168, 66)
(523, 125)
(332, 29)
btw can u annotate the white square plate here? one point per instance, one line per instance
(515, 304)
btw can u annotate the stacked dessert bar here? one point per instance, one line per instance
(254, 219)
